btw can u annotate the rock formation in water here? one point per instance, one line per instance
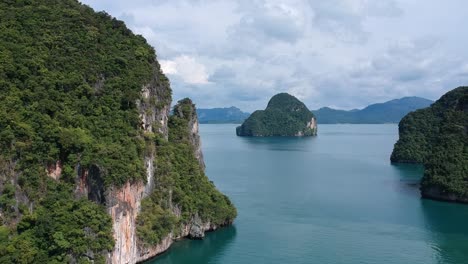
(437, 137)
(285, 115)
(93, 168)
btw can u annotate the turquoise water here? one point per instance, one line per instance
(331, 199)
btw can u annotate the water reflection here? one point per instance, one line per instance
(201, 251)
(279, 143)
(409, 177)
(449, 231)
(410, 173)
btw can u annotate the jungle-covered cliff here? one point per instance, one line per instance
(437, 137)
(92, 167)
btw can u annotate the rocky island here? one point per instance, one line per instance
(437, 137)
(285, 115)
(93, 168)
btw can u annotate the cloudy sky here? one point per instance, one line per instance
(339, 53)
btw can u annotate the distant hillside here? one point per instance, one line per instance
(221, 115)
(389, 112)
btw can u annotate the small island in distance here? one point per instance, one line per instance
(285, 115)
(379, 113)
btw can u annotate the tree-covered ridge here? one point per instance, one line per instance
(182, 190)
(438, 138)
(285, 115)
(70, 80)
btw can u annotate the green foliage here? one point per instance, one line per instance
(61, 229)
(7, 200)
(437, 137)
(154, 222)
(70, 79)
(285, 115)
(180, 183)
(69, 82)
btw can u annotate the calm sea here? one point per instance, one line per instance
(334, 198)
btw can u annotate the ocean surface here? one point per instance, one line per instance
(334, 198)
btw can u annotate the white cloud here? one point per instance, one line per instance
(187, 68)
(346, 53)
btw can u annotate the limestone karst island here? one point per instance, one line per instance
(93, 168)
(437, 137)
(284, 115)
(117, 123)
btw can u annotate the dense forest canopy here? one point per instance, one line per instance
(437, 137)
(71, 83)
(285, 115)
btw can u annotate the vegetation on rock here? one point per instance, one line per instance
(182, 190)
(71, 81)
(285, 115)
(438, 138)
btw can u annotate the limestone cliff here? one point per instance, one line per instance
(88, 150)
(188, 184)
(124, 203)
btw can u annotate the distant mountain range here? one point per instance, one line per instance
(389, 112)
(231, 115)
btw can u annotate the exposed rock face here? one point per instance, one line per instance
(165, 244)
(125, 203)
(195, 139)
(89, 184)
(8, 175)
(312, 124)
(197, 230)
(436, 193)
(54, 170)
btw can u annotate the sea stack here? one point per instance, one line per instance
(284, 116)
